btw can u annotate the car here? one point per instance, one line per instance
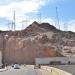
(16, 66)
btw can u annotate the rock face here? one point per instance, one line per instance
(37, 40)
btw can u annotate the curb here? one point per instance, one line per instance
(1, 70)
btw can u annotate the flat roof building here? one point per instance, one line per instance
(56, 60)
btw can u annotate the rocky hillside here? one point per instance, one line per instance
(37, 40)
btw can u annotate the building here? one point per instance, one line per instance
(55, 60)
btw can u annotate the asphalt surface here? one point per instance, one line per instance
(24, 71)
(29, 70)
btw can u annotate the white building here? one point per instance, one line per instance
(59, 60)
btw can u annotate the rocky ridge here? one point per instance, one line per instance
(37, 40)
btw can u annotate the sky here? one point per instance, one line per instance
(28, 11)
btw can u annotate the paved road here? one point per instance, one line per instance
(24, 71)
(29, 70)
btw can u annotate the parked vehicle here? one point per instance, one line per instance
(16, 66)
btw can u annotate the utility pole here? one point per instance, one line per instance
(57, 17)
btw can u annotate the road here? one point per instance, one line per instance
(24, 71)
(29, 70)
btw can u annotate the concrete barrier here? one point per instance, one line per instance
(55, 71)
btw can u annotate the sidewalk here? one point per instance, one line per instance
(3, 69)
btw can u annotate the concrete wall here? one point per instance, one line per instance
(67, 68)
(56, 71)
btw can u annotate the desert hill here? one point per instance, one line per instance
(37, 40)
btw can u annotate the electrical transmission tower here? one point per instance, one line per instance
(10, 25)
(39, 17)
(39, 13)
(65, 26)
(14, 22)
(59, 38)
(24, 22)
(57, 17)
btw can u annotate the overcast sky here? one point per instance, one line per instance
(29, 10)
